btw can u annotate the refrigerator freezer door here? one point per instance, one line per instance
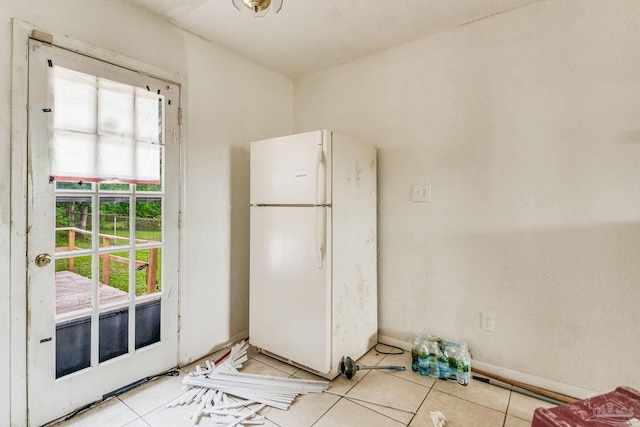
(290, 296)
(289, 170)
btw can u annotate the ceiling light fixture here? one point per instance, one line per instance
(258, 7)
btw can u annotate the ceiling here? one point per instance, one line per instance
(311, 35)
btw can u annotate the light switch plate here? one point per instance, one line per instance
(421, 192)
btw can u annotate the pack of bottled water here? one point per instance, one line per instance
(440, 358)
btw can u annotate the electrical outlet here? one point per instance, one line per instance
(487, 322)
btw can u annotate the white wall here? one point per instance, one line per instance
(230, 104)
(527, 126)
(219, 94)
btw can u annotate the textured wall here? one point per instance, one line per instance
(526, 125)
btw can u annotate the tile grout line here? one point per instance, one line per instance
(343, 397)
(506, 411)
(130, 408)
(325, 412)
(354, 400)
(288, 375)
(475, 403)
(504, 421)
(141, 419)
(392, 373)
(119, 397)
(432, 387)
(371, 402)
(373, 410)
(421, 403)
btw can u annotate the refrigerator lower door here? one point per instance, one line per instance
(290, 291)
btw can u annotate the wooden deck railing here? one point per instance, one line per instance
(151, 265)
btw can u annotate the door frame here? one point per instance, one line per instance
(16, 371)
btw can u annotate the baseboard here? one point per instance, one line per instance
(547, 384)
(394, 342)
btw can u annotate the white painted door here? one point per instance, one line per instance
(102, 255)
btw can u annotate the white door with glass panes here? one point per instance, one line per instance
(103, 207)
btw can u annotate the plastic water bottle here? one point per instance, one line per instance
(452, 359)
(415, 350)
(434, 354)
(464, 365)
(443, 362)
(424, 367)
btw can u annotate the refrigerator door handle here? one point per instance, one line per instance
(321, 225)
(321, 178)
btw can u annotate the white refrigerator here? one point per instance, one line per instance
(313, 249)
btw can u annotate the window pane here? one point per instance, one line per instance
(115, 109)
(73, 284)
(73, 223)
(148, 278)
(157, 185)
(114, 186)
(114, 278)
(149, 187)
(75, 100)
(148, 219)
(147, 323)
(73, 346)
(114, 334)
(114, 221)
(73, 185)
(148, 116)
(74, 155)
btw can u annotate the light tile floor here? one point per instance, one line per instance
(403, 398)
